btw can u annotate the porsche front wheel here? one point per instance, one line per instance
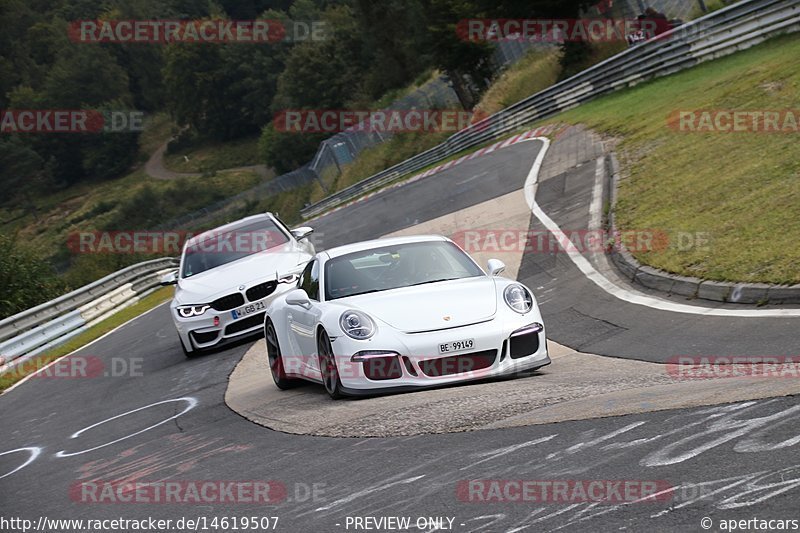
(327, 367)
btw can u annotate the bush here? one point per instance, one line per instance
(287, 151)
(26, 279)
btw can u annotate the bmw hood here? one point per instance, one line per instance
(257, 268)
(434, 306)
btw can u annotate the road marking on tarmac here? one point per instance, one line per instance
(366, 492)
(627, 295)
(190, 401)
(33, 453)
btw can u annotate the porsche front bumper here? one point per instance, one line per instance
(407, 361)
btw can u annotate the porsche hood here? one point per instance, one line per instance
(433, 306)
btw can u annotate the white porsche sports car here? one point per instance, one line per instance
(228, 276)
(401, 314)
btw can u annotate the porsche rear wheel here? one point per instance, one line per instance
(275, 359)
(327, 367)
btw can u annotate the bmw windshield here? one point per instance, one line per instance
(219, 249)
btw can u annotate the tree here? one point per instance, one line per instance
(327, 73)
(85, 76)
(23, 172)
(15, 61)
(466, 63)
(396, 41)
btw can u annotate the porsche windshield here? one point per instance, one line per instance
(392, 267)
(219, 249)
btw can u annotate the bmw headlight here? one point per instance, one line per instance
(289, 278)
(518, 298)
(188, 311)
(357, 325)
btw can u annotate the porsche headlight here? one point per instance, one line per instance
(188, 311)
(357, 325)
(518, 298)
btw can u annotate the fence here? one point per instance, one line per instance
(344, 147)
(723, 32)
(28, 334)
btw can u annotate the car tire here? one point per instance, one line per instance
(275, 359)
(327, 367)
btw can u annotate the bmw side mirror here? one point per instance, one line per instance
(298, 297)
(302, 232)
(495, 267)
(170, 279)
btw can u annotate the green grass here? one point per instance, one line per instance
(208, 156)
(535, 72)
(148, 302)
(743, 189)
(711, 6)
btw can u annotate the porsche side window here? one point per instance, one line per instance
(310, 280)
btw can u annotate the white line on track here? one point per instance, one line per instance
(191, 403)
(365, 492)
(596, 207)
(33, 452)
(627, 295)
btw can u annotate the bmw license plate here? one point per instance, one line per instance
(456, 346)
(248, 310)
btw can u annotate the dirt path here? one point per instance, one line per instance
(155, 168)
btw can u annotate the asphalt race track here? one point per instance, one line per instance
(167, 420)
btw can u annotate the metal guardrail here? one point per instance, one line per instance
(723, 32)
(40, 328)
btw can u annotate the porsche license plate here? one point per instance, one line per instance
(456, 346)
(248, 310)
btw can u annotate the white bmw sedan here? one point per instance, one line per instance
(229, 275)
(401, 314)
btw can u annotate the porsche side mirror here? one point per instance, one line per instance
(302, 232)
(495, 267)
(170, 279)
(298, 297)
